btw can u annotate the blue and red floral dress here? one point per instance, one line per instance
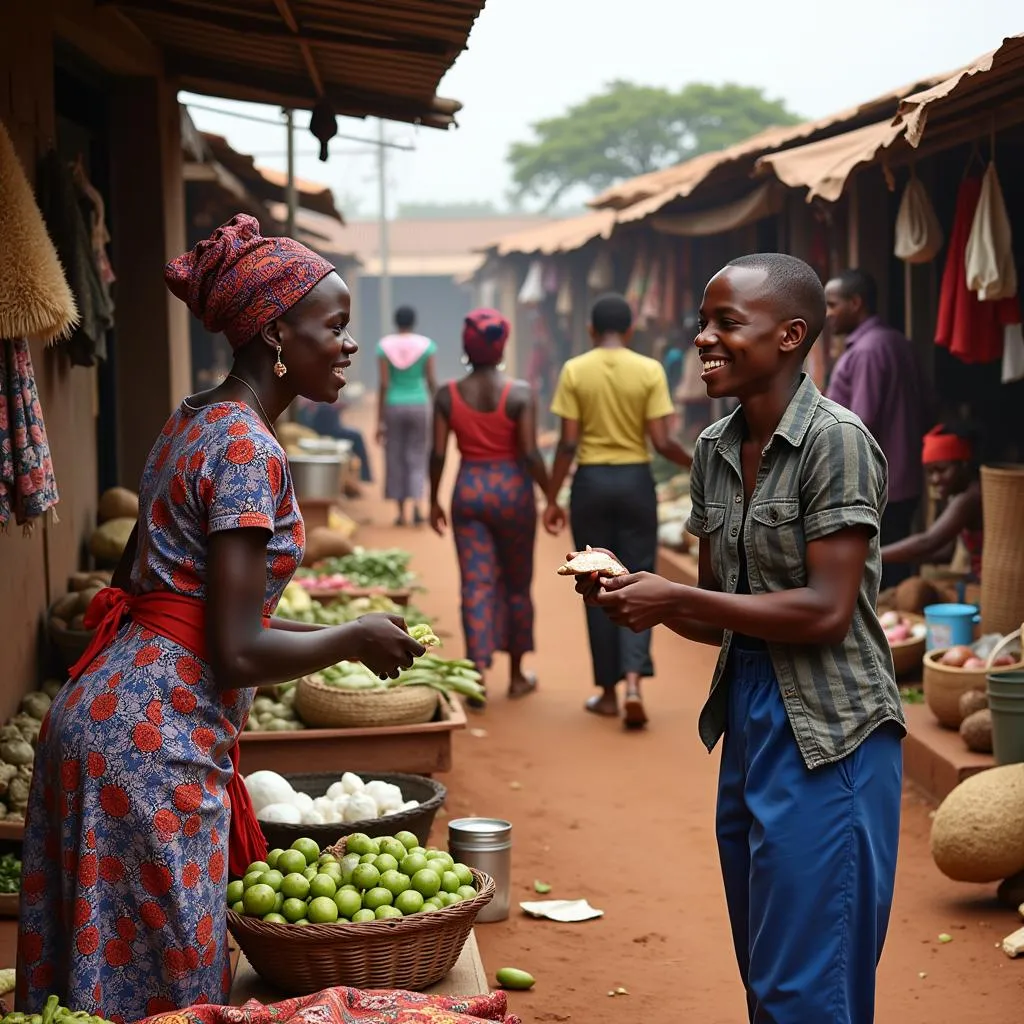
(125, 855)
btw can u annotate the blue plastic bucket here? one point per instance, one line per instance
(950, 625)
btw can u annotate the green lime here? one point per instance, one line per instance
(408, 840)
(512, 977)
(368, 858)
(366, 876)
(274, 919)
(464, 874)
(323, 910)
(427, 882)
(295, 886)
(448, 898)
(360, 842)
(278, 902)
(467, 892)
(394, 847)
(419, 849)
(395, 882)
(383, 913)
(235, 890)
(348, 902)
(333, 870)
(238, 907)
(362, 916)
(291, 861)
(450, 882)
(272, 858)
(328, 858)
(433, 854)
(308, 849)
(413, 862)
(409, 902)
(348, 887)
(322, 885)
(257, 867)
(310, 873)
(385, 862)
(429, 908)
(273, 879)
(293, 910)
(377, 897)
(251, 879)
(435, 901)
(259, 899)
(302, 920)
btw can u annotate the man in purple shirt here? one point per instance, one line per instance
(877, 377)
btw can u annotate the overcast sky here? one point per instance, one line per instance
(530, 59)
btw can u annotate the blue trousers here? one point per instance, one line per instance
(808, 858)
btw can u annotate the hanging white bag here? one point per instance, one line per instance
(919, 235)
(532, 291)
(988, 260)
(1013, 354)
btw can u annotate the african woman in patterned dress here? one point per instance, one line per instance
(494, 513)
(135, 794)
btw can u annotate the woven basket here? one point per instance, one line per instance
(945, 684)
(70, 644)
(1002, 558)
(419, 820)
(907, 654)
(327, 707)
(409, 953)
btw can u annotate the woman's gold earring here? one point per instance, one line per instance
(279, 368)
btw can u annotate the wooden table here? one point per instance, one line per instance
(466, 978)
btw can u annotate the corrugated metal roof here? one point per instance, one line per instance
(556, 236)
(419, 238)
(662, 187)
(381, 58)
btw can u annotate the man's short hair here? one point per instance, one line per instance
(859, 282)
(794, 286)
(611, 315)
(405, 317)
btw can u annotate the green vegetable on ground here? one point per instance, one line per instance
(512, 977)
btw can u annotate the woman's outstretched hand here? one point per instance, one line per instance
(385, 646)
(589, 585)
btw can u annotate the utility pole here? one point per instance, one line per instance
(290, 193)
(385, 277)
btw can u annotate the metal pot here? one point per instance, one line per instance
(316, 476)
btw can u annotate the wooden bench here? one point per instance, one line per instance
(466, 978)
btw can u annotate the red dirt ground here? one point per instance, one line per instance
(626, 820)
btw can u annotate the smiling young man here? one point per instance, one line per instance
(788, 494)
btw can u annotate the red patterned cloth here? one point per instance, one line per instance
(484, 334)
(353, 1006)
(236, 280)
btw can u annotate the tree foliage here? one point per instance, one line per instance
(631, 129)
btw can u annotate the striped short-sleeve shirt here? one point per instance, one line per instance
(820, 473)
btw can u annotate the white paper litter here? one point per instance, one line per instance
(566, 911)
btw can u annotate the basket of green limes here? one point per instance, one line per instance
(377, 913)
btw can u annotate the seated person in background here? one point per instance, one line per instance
(326, 420)
(949, 461)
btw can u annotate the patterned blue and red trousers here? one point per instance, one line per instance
(494, 519)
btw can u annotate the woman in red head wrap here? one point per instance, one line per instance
(494, 515)
(137, 814)
(950, 462)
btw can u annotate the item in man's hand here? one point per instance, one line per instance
(583, 563)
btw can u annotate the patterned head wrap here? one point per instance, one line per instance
(236, 280)
(484, 334)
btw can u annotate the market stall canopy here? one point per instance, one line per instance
(557, 236)
(659, 188)
(763, 201)
(968, 101)
(362, 58)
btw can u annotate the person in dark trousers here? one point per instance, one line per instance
(611, 400)
(326, 419)
(788, 493)
(878, 379)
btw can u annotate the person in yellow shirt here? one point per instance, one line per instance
(611, 401)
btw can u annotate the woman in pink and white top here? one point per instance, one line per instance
(407, 384)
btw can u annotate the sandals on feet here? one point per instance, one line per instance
(525, 691)
(596, 706)
(633, 714)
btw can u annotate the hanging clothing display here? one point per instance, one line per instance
(96, 210)
(532, 291)
(919, 235)
(971, 330)
(35, 300)
(670, 288)
(1013, 354)
(991, 271)
(60, 201)
(28, 488)
(651, 303)
(601, 276)
(563, 303)
(638, 281)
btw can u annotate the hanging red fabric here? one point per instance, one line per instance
(181, 620)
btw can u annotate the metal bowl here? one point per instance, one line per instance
(316, 476)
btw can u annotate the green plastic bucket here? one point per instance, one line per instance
(1006, 702)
